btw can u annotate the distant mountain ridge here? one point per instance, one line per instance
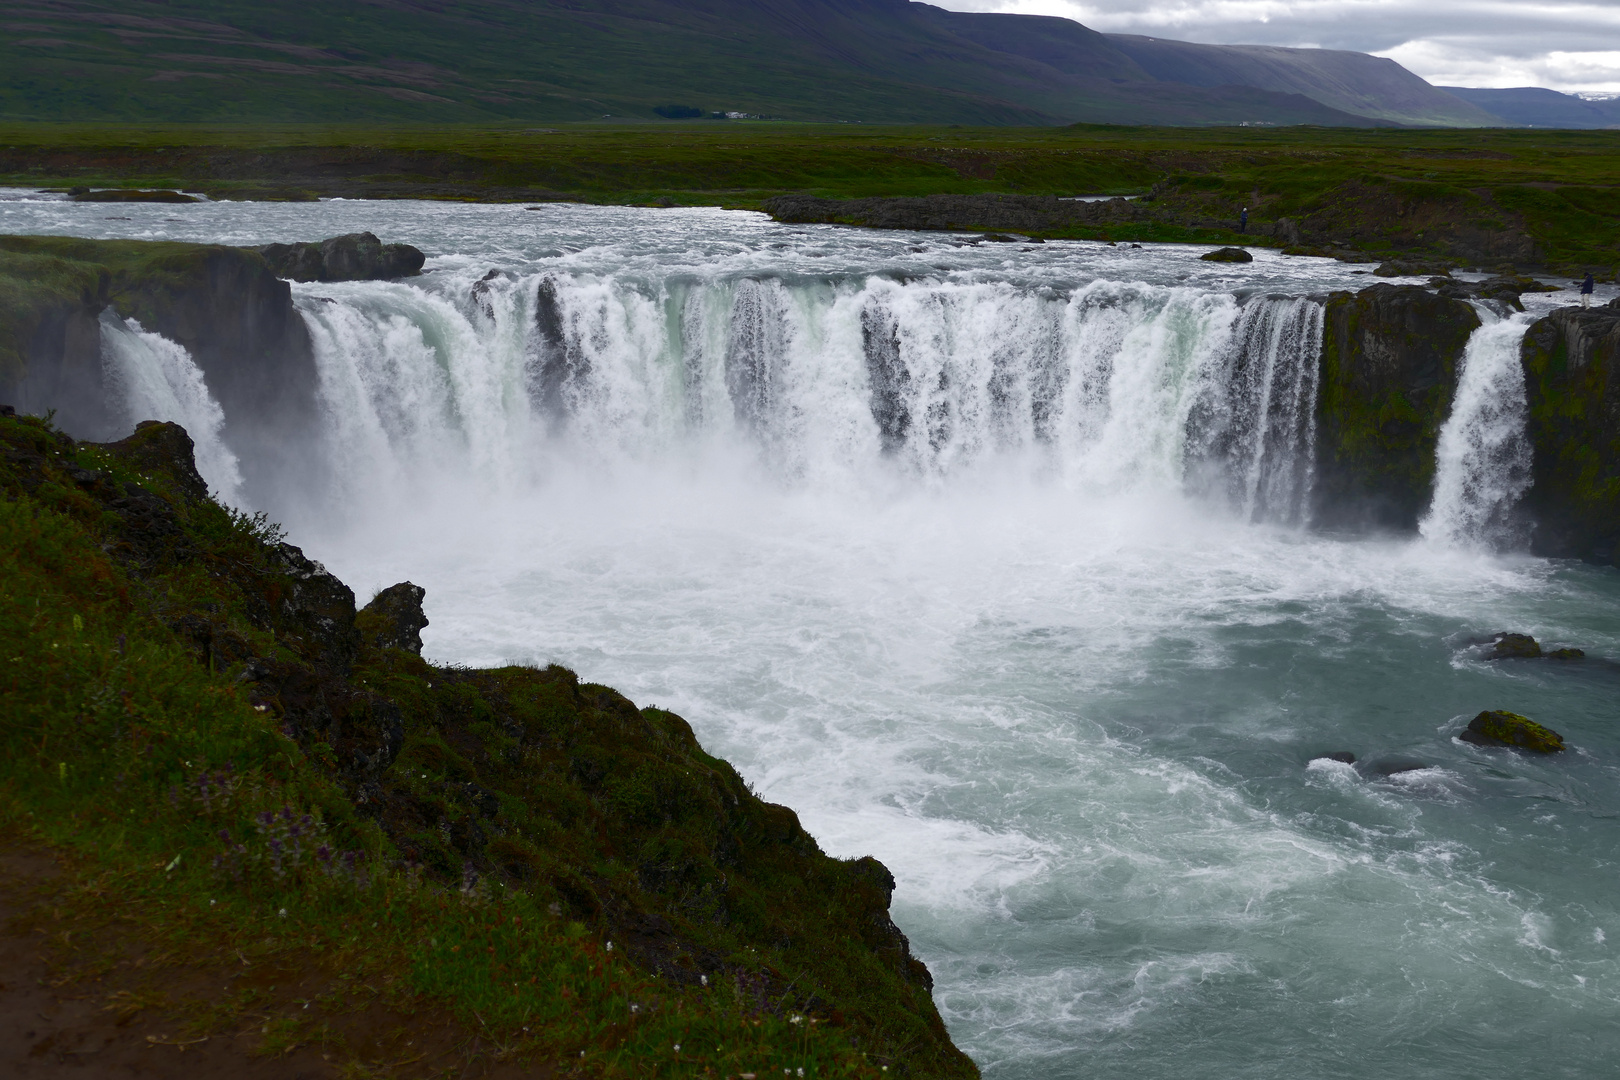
(557, 60)
(1532, 106)
(1349, 81)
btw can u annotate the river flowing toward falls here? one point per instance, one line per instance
(994, 562)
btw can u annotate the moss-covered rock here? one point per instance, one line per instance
(1572, 384)
(1390, 357)
(1227, 255)
(1497, 728)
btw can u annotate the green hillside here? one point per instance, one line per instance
(548, 61)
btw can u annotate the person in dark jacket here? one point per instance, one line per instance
(1586, 290)
(1243, 221)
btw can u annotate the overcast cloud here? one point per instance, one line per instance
(1571, 46)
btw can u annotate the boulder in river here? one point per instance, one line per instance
(1395, 764)
(1514, 647)
(1227, 255)
(352, 257)
(1500, 728)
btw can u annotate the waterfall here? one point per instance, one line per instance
(149, 377)
(1483, 458)
(1255, 429)
(1106, 387)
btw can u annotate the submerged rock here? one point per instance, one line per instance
(1227, 255)
(352, 257)
(1396, 764)
(1499, 728)
(1343, 757)
(1514, 647)
(394, 618)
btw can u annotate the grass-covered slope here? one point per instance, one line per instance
(547, 60)
(243, 765)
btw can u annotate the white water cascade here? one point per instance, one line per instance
(149, 377)
(1105, 387)
(1483, 458)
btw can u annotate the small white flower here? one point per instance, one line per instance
(211, 903)
(795, 1019)
(282, 913)
(610, 946)
(704, 979)
(677, 1048)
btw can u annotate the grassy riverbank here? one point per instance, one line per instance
(1530, 198)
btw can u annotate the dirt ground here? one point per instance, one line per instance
(83, 1000)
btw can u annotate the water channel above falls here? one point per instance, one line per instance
(991, 562)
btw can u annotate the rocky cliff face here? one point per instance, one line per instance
(1572, 382)
(1390, 357)
(223, 304)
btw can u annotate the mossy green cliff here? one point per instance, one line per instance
(1572, 386)
(1390, 357)
(186, 690)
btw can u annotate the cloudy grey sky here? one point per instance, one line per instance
(1568, 45)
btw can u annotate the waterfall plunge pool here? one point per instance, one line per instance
(991, 562)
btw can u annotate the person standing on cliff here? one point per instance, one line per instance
(1243, 221)
(1586, 290)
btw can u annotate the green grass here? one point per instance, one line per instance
(210, 805)
(1534, 198)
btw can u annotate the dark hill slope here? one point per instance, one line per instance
(1350, 81)
(868, 60)
(1533, 106)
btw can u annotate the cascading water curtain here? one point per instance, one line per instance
(149, 377)
(1108, 386)
(1482, 462)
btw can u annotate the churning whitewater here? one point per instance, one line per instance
(996, 562)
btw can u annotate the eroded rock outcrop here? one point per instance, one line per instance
(1390, 358)
(351, 257)
(1572, 384)
(394, 619)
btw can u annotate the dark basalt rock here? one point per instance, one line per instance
(394, 618)
(1503, 288)
(1390, 357)
(1395, 765)
(1514, 647)
(1510, 729)
(1227, 255)
(165, 448)
(352, 257)
(1412, 268)
(125, 195)
(1571, 364)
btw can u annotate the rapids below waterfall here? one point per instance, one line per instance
(994, 562)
